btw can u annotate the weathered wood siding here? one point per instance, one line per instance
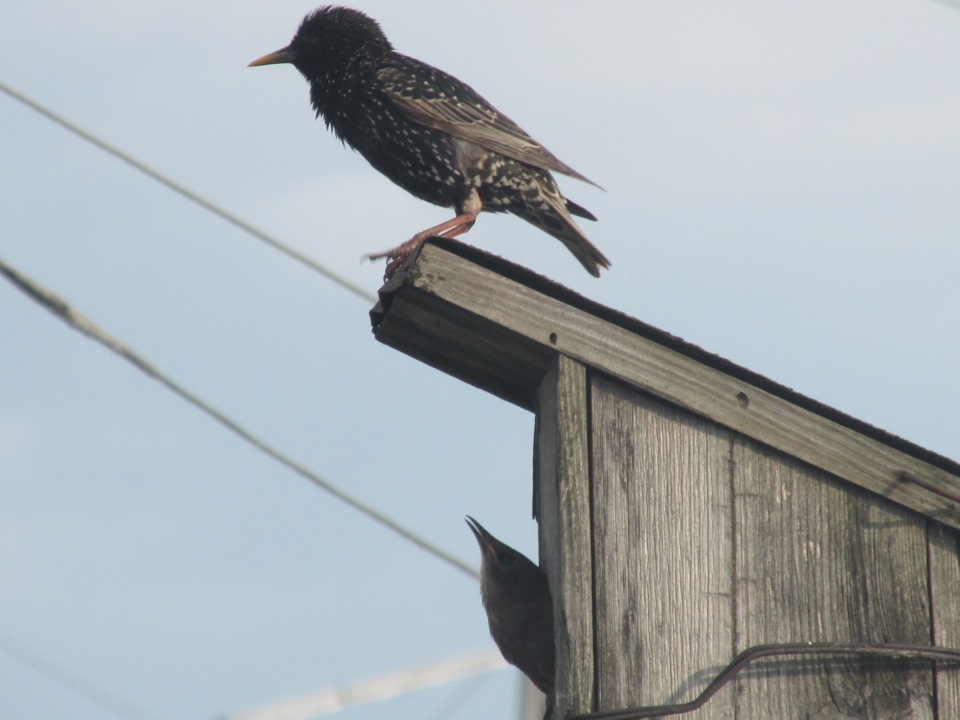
(662, 546)
(690, 508)
(700, 542)
(819, 560)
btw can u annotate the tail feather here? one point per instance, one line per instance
(579, 210)
(552, 215)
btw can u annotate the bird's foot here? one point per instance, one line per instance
(397, 256)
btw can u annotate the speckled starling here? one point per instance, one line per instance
(430, 133)
(519, 608)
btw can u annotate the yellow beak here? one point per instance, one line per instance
(284, 55)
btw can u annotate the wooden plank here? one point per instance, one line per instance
(466, 346)
(945, 596)
(534, 323)
(818, 561)
(662, 539)
(563, 490)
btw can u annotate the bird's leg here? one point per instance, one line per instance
(449, 229)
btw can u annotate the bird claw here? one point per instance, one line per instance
(395, 257)
(393, 262)
(398, 255)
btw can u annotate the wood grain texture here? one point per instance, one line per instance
(500, 335)
(563, 489)
(818, 560)
(944, 546)
(663, 566)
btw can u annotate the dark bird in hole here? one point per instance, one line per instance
(519, 608)
(430, 133)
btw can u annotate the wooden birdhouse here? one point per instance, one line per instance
(691, 510)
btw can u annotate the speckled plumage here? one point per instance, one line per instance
(428, 132)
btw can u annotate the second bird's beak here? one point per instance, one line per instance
(483, 537)
(284, 55)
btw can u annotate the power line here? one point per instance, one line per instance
(72, 681)
(188, 193)
(376, 689)
(82, 324)
(454, 705)
(476, 666)
(954, 4)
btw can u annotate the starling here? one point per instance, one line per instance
(430, 133)
(519, 608)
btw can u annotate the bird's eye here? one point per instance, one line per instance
(506, 559)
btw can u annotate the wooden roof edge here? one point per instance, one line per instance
(540, 284)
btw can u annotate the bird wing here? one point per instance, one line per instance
(433, 98)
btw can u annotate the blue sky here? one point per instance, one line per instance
(781, 189)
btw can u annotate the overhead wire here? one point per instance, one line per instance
(954, 4)
(63, 310)
(379, 688)
(77, 321)
(102, 698)
(187, 193)
(453, 706)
